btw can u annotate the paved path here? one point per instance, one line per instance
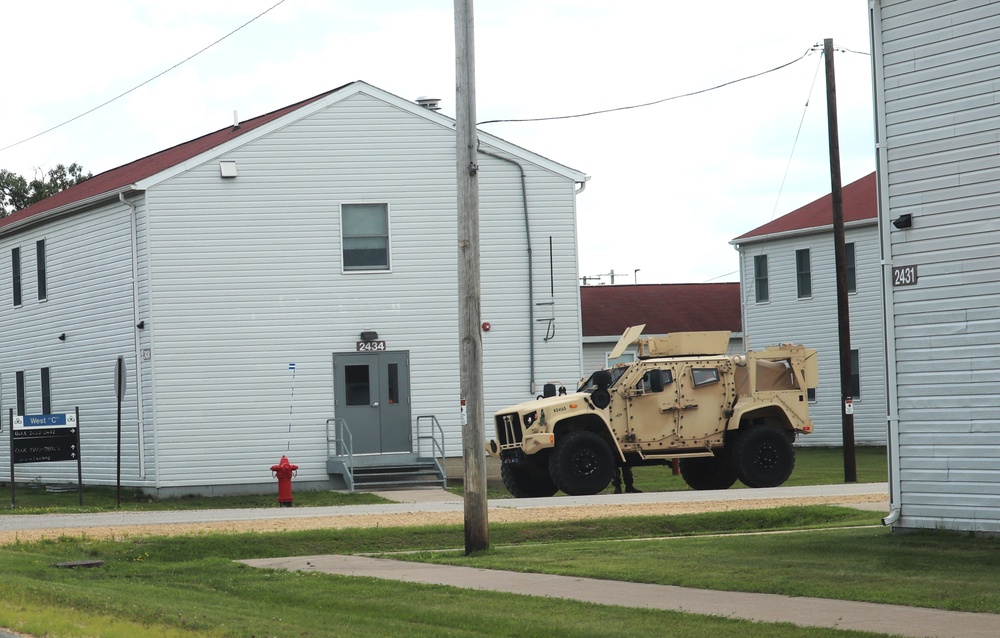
(430, 500)
(805, 612)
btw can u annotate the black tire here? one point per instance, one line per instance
(526, 480)
(581, 463)
(708, 472)
(763, 455)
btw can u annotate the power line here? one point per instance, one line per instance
(661, 101)
(134, 88)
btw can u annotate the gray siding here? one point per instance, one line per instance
(89, 299)
(813, 322)
(936, 68)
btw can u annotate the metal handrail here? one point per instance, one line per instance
(343, 446)
(437, 445)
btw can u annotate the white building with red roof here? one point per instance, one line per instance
(789, 294)
(274, 280)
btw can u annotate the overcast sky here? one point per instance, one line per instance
(670, 184)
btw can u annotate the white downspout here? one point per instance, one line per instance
(885, 254)
(137, 336)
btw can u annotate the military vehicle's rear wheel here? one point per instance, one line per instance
(763, 455)
(527, 480)
(581, 463)
(708, 472)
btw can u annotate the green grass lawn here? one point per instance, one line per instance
(190, 586)
(36, 499)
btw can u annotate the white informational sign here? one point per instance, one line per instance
(849, 406)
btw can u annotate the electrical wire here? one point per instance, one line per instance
(784, 177)
(139, 86)
(655, 102)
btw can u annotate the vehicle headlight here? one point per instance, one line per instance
(530, 418)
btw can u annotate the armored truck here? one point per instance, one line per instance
(725, 417)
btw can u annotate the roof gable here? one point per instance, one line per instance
(860, 201)
(664, 308)
(119, 178)
(145, 172)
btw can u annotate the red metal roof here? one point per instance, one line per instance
(860, 200)
(118, 178)
(664, 308)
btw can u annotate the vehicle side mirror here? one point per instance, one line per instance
(549, 390)
(656, 381)
(601, 378)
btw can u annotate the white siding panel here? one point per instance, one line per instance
(89, 299)
(938, 72)
(247, 278)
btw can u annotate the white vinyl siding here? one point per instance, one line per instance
(89, 280)
(812, 322)
(275, 293)
(936, 70)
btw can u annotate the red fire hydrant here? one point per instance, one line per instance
(284, 471)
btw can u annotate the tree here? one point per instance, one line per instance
(16, 192)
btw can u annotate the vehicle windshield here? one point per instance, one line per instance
(590, 386)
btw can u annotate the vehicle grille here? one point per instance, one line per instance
(509, 430)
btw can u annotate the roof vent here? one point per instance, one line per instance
(430, 103)
(236, 120)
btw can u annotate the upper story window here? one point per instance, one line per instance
(45, 383)
(19, 391)
(15, 269)
(761, 293)
(365, 236)
(851, 268)
(40, 266)
(803, 273)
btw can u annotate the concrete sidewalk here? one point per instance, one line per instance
(805, 612)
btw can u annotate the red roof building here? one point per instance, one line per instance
(860, 200)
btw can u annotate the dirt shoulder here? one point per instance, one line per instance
(417, 519)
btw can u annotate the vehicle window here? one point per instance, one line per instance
(704, 376)
(590, 386)
(644, 386)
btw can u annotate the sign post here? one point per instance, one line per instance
(119, 394)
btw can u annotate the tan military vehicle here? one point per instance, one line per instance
(726, 417)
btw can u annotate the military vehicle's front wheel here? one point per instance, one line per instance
(527, 480)
(581, 463)
(708, 472)
(763, 455)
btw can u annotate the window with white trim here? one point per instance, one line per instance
(364, 232)
(803, 273)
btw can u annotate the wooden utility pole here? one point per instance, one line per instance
(840, 263)
(477, 535)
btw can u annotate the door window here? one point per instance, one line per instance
(357, 384)
(393, 389)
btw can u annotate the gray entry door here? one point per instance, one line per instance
(372, 394)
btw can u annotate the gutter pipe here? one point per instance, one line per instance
(531, 292)
(137, 336)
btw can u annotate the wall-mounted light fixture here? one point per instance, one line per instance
(369, 335)
(62, 337)
(903, 221)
